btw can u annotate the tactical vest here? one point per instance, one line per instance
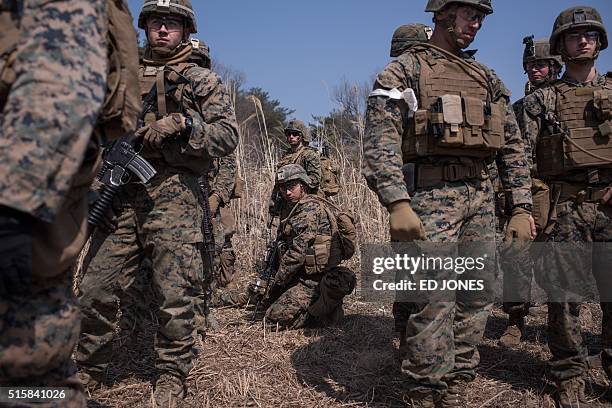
(327, 251)
(456, 115)
(581, 137)
(122, 103)
(173, 94)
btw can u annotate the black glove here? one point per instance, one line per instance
(16, 242)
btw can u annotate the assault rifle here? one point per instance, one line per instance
(122, 160)
(207, 230)
(261, 287)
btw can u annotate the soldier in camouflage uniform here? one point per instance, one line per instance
(52, 104)
(298, 138)
(570, 125)
(447, 153)
(404, 37)
(309, 284)
(192, 122)
(542, 68)
(408, 35)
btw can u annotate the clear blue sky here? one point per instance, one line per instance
(298, 50)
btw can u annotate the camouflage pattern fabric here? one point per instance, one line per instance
(585, 222)
(309, 159)
(45, 131)
(38, 172)
(439, 339)
(295, 289)
(162, 222)
(576, 222)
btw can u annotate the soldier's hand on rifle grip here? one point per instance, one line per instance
(157, 132)
(404, 224)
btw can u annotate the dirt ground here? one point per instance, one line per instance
(352, 365)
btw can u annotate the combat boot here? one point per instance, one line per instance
(169, 391)
(514, 332)
(570, 394)
(454, 397)
(88, 381)
(423, 400)
(333, 318)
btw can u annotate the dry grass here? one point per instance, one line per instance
(353, 365)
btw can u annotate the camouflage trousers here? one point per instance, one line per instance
(516, 266)
(438, 339)
(162, 224)
(308, 302)
(586, 222)
(39, 324)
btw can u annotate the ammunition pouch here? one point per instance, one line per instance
(540, 193)
(317, 255)
(456, 126)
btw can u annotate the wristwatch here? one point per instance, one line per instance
(188, 125)
(526, 207)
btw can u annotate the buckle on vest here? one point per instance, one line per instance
(453, 172)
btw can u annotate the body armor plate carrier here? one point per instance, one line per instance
(580, 137)
(456, 116)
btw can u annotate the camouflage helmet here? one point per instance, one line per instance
(407, 35)
(538, 50)
(182, 8)
(577, 17)
(437, 5)
(298, 126)
(292, 172)
(200, 53)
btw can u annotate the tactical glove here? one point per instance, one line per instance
(157, 132)
(404, 224)
(16, 241)
(213, 203)
(521, 226)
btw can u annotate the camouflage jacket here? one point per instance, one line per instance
(46, 130)
(222, 177)
(539, 111)
(385, 126)
(309, 159)
(215, 131)
(306, 221)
